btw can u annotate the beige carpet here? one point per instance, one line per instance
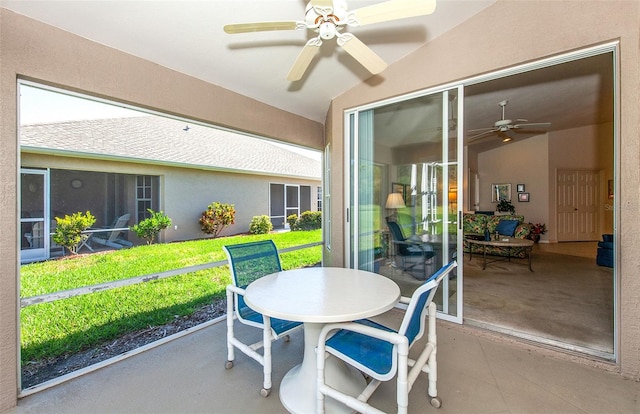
(568, 298)
(566, 301)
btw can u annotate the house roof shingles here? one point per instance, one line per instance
(154, 139)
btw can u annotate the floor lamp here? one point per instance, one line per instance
(394, 202)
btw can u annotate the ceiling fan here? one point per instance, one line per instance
(328, 18)
(502, 126)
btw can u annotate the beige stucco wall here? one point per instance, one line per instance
(506, 34)
(186, 192)
(39, 52)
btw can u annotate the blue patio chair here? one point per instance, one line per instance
(248, 262)
(412, 254)
(382, 353)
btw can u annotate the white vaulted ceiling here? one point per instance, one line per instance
(188, 36)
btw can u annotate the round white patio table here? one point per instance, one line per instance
(316, 296)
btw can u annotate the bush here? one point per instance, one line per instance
(505, 205)
(292, 220)
(260, 225)
(309, 220)
(69, 230)
(149, 228)
(217, 217)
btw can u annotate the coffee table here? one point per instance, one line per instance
(504, 242)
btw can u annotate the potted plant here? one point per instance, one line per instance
(505, 206)
(537, 230)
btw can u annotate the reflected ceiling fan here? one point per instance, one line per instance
(502, 126)
(328, 18)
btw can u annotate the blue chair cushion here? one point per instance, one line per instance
(373, 353)
(278, 325)
(507, 227)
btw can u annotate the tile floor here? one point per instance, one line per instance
(479, 372)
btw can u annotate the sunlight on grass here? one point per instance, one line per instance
(71, 325)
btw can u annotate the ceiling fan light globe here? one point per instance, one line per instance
(327, 30)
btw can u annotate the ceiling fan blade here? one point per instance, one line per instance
(259, 27)
(322, 3)
(534, 125)
(362, 53)
(480, 135)
(393, 10)
(482, 129)
(309, 51)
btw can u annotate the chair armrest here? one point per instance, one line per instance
(391, 337)
(405, 300)
(235, 289)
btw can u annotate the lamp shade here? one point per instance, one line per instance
(395, 201)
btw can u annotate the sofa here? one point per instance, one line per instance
(476, 225)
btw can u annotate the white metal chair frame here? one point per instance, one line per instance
(426, 361)
(270, 331)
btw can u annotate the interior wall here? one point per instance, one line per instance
(551, 28)
(38, 52)
(534, 163)
(585, 148)
(521, 162)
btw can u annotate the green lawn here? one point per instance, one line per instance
(70, 325)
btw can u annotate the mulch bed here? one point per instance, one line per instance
(38, 372)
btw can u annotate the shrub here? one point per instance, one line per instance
(260, 225)
(217, 217)
(505, 205)
(69, 230)
(309, 220)
(149, 228)
(292, 220)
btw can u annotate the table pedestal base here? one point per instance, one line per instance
(298, 387)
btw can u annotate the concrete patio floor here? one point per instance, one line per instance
(479, 372)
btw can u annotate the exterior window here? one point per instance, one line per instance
(144, 196)
(319, 199)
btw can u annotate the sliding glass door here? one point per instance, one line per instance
(403, 180)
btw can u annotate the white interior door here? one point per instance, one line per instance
(577, 207)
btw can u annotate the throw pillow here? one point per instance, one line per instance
(507, 227)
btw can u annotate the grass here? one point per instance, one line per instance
(67, 326)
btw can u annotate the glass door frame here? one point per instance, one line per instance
(351, 128)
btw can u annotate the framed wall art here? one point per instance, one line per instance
(523, 197)
(398, 188)
(500, 192)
